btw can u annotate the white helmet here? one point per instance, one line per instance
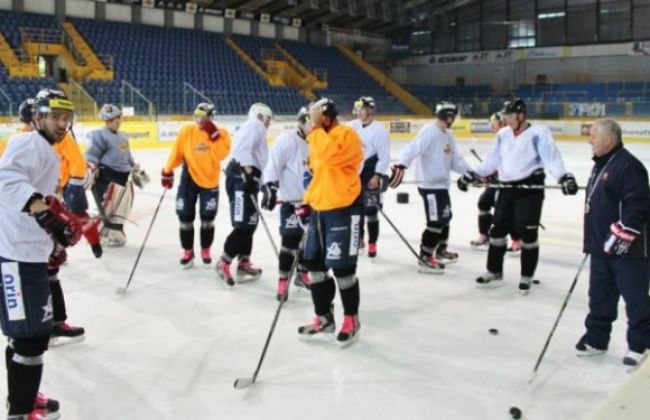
(304, 124)
(109, 112)
(260, 109)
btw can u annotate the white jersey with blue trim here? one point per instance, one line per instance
(287, 165)
(29, 165)
(376, 142)
(249, 146)
(517, 157)
(435, 154)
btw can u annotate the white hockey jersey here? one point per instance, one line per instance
(29, 165)
(249, 144)
(287, 165)
(435, 154)
(517, 157)
(376, 142)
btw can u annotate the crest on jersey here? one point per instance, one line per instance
(447, 149)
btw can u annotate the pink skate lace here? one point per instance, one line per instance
(515, 245)
(248, 266)
(304, 277)
(224, 267)
(283, 284)
(37, 414)
(372, 248)
(349, 324)
(205, 253)
(188, 254)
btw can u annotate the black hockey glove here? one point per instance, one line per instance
(251, 181)
(396, 175)
(568, 183)
(269, 195)
(466, 180)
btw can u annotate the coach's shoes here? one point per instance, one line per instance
(489, 277)
(187, 259)
(584, 349)
(632, 359)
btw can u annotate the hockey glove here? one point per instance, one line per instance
(383, 182)
(212, 130)
(569, 185)
(57, 258)
(620, 239)
(251, 181)
(74, 196)
(269, 195)
(59, 222)
(466, 180)
(90, 176)
(167, 179)
(139, 177)
(303, 211)
(396, 175)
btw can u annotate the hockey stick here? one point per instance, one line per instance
(402, 237)
(122, 290)
(473, 152)
(266, 228)
(242, 383)
(566, 301)
(499, 185)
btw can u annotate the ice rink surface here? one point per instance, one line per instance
(172, 347)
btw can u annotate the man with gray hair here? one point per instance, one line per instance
(617, 208)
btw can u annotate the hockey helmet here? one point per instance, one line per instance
(48, 100)
(260, 109)
(26, 110)
(364, 102)
(204, 109)
(109, 112)
(328, 107)
(515, 106)
(496, 117)
(446, 109)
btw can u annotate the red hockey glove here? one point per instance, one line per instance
(61, 224)
(212, 130)
(167, 180)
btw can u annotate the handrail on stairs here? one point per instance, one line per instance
(195, 92)
(138, 93)
(81, 92)
(11, 107)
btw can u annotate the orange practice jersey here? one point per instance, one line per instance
(202, 156)
(73, 164)
(335, 159)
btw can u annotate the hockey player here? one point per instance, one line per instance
(486, 203)
(200, 147)
(110, 159)
(376, 150)
(520, 153)
(283, 177)
(617, 213)
(249, 157)
(334, 197)
(32, 223)
(435, 154)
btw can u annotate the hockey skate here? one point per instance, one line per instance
(322, 327)
(489, 277)
(112, 238)
(372, 249)
(447, 257)
(64, 333)
(302, 280)
(350, 330)
(47, 404)
(430, 265)
(246, 272)
(223, 271)
(584, 349)
(515, 248)
(524, 285)
(205, 256)
(36, 414)
(283, 289)
(633, 360)
(187, 260)
(481, 243)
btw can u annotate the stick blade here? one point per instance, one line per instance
(121, 290)
(243, 383)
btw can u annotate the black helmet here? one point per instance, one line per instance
(204, 109)
(48, 100)
(514, 107)
(328, 106)
(365, 102)
(446, 109)
(26, 110)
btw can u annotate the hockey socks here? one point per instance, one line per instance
(23, 380)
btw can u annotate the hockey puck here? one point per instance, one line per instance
(515, 413)
(493, 331)
(403, 197)
(536, 281)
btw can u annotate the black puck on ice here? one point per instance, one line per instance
(493, 331)
(536, 281)
(515, 412)
(402, 197)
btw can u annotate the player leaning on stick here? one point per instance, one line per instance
(283, 178)
(200, 148)
(520, 153)
(334, 199)
(33, 223)
(376, 149)
(435, 154)
(617, 212)
(249, 156)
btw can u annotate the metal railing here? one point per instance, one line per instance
(188, 89)
(131, 96)
(558, 109)
(106, 60)
(7, 98)
(85, 105)
(41, 36)
(69, 43)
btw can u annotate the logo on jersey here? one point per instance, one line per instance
(47, 310)
(123, 146)
(447, 149)
(180, 204)
(211, 204)
(238, 207)
(334, 251)
(291, 221)
(13, 291)
(201, 148)
(355, 232)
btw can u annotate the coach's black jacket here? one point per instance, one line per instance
(622, 194)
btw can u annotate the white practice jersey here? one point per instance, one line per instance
(435, 153)
(249, 144)
(517, 157)
(29, 165)
(375, 143)
(287, 164)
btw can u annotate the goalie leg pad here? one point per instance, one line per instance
(118, 202)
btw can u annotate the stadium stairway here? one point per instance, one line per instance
(14, 66)
(95, 68)
(271, 78)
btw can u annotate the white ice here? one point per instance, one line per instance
(173, 346)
